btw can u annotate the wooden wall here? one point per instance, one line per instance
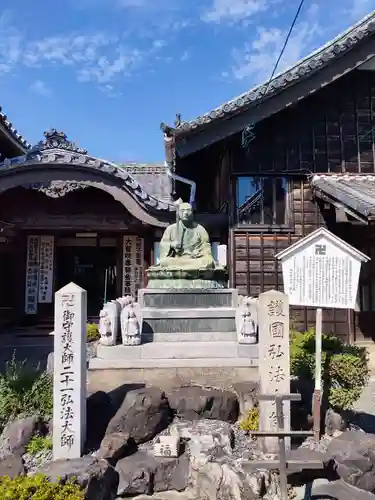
(330, 131)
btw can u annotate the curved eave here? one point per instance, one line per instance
(63, 165)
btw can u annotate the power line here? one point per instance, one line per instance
(285, 43)
(248, 134)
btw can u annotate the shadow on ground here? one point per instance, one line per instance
(364, 420)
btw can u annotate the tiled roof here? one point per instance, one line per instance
(311, 64)
(153, 178)
(13, 131)
(148, 194)
(357, 192)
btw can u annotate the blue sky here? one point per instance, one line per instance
(107, 72)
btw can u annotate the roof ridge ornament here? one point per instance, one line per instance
(178, 120)
(57, 140)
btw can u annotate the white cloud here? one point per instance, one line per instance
(40, 87)
(110, 91)
(97, 57)
(360, 8)
(105, 69)
(185, 55)
(233, 10)
(257, 59)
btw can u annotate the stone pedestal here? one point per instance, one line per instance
(183, 279)
(185, 328)
(184, 311)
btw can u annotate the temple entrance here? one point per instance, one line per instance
(92, 267)
(85, 237)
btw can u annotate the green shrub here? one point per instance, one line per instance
(251, 421)
(25, 390)
(38, 444)
(92, 332)
(345, 370)
(38, 488)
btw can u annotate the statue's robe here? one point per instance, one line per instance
(195, 249)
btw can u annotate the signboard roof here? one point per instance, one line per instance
(315, 236)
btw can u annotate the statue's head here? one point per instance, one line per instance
(185, 212)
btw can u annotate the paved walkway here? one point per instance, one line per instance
(366, 408)
(367, 401)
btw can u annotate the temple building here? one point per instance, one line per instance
(262, 171)
(284, 158)
(67, 216)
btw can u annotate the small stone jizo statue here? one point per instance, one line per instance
(130, 324)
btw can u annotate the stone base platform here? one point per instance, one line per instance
(185, 332)
(178, 353)
(163, 278)
(221, 377)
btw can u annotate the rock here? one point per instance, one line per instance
(143, 414)
(33, 462)
(136, 474)
(18, 433)
(11, 466)
(225, 481)
(172, 474)
(100, 410)
(247, 395)
(335, 422)
(116, 446)
(338, 489)
(97, 477)
(208, 439)
(353, 454)
(142, 473)
(196, 402)
(169, 495)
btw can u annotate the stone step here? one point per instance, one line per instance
(178, 350)
(175, 363)
(167, 299)
(189, 337)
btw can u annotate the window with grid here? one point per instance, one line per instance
(262, 201)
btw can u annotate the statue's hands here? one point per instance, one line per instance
(175, 245)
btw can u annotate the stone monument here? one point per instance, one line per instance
(185, 257)
(274, 366)
(70, 372)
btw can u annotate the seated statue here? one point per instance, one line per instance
(185, 256)
(185, 244)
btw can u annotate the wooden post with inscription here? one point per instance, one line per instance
(274, 363)
(321, 271)
(70, 372)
